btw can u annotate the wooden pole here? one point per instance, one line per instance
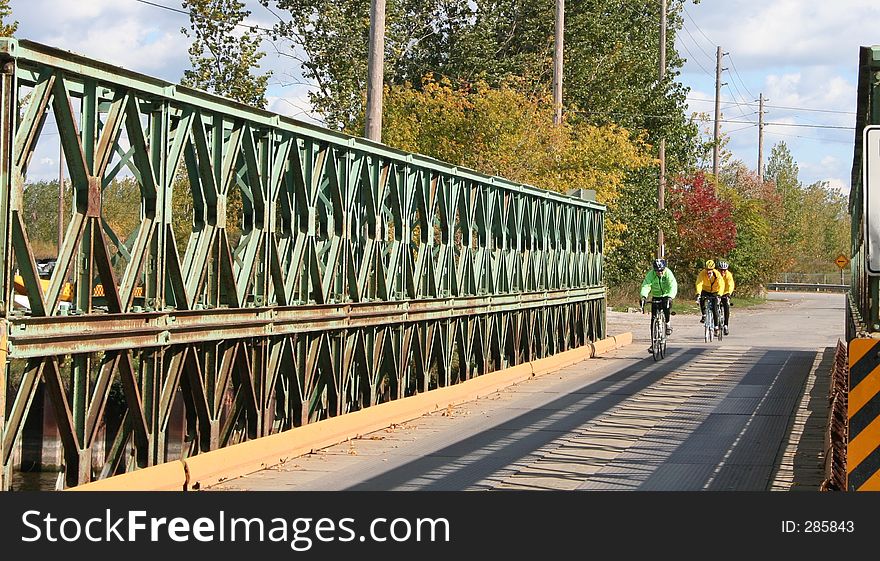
(375, 71)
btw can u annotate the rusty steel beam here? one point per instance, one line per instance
(62, 335)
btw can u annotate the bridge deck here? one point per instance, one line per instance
(732, 416)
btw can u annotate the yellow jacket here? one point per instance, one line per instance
(710, 281)
(728, 282)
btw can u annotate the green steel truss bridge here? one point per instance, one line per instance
(356, 273)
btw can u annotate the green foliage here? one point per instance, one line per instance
(334, 35)
(611, 84)
(756, 255)
(611, 57)
(7, 28)
(39, 204)
(474, 127)
(815, 225)
(782, 170)
(121, 210)
(782, 226)
(640, 219)
(823, 229)
(222, 56)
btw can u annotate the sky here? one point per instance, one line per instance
(801, 55)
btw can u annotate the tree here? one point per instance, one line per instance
(6, 29)
(758, 253)
(823, 228)
(222, 56)
(782, 170)
(704, 226)
(475, 128)
(610, 49)
(814, 222)
(639, 218)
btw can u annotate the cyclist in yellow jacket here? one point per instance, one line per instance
(709, 286)
(729, 284)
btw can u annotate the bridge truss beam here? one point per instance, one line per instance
(277, 273)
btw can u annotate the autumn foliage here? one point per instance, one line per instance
(704, 227)
(504, 132)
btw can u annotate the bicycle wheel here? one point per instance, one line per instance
(663, 338)
(707, 322)
(655, 338)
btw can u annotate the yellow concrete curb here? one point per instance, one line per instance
(623, 339)
(603, 346)
(233, 461)
(561, 360)
(210, 468)
(169, 476)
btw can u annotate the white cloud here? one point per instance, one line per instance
(838, 184)
(131, 46)
(802, 56)
(124, 33)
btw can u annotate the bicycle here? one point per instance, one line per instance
(658, 327)
(709, 320)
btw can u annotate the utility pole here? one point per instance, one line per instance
(717, 136)
(761, 137)
(557, 62)
(661, 195)
(375, 71)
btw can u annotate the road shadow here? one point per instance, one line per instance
(730, 436)
(469, 461)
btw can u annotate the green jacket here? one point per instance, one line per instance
(657, 285)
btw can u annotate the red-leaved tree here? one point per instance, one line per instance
(704, 227)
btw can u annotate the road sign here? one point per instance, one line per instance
(842, 261)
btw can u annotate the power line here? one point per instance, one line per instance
(741, 81)
(780, 107)
(739, 106)
(740, 129)
(697, 26)
(822, 140)
(706, 119)
(703, 68)
(186, 13)
(686, 30)
(790, 125)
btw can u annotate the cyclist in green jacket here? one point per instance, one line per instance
(661, 284)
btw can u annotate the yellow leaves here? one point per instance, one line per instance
(501, 131)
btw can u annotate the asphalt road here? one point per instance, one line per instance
(743, 414)
(791, 320)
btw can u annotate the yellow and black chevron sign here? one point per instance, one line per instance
(863, 451)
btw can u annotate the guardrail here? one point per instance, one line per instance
(806, 287)
(836, 433)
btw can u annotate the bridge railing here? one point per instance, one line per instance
(806, 287)
(812, 278)
(316, 274)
